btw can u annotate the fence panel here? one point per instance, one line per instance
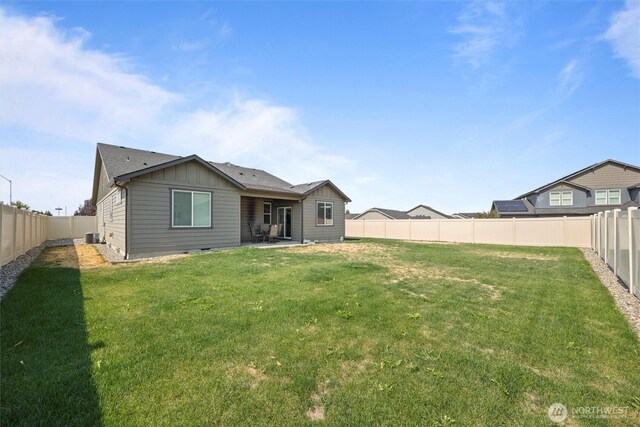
(494, 231)
(555, 231)
(619, 245)
(6, 238)
(21, 231)
(622, 247)
(460, 230)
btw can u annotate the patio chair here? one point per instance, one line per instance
(273, 233)
(256, 233)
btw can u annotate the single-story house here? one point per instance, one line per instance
(151, 203)
(607, 185)
(465, 215)
(419, 212)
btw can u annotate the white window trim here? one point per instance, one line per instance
(607, 198)
(264, 214)
(560, 195)
(192, 209)
(325, 214)
(562, 198)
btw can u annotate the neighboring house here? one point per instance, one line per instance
(603, 186)
(419, 212)
(465, 215)
(350, 215)
(150, 203)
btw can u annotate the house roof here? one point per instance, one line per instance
(524, 208)
(124, 163)
(578, 173)
(431, 209)
(350, 215)
(389, 213)
(465, 215)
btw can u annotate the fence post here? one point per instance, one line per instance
(606, 236)
(385, 228)
(564, 230)
(513, 230)
(439, 230)
(1, 217)
(600, 216)
(616, 243)
(633, 267)
(410, 229)
(71, 227)
(15, 232)
(473, 230)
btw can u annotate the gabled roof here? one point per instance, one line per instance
(431, 209)
(126, 177)
(578, 173)
(123, 163)
(389, 213)
(350, 215)
(465, 215)
(305, 189)
(119, 160)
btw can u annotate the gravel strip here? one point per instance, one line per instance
(9, 273)
(628, 304)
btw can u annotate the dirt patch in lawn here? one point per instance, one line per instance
(400, 270)
(357, 250)
(82, 256)
(517, 255)
(255, 374)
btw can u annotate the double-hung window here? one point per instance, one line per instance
(607, 197)
(190, 209)
(324, 213)
(561, 198)
(266, 217)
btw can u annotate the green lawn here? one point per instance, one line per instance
(361, 333)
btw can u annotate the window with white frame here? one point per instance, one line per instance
(266, 217)
(118, 196)
(608, 197)
(324, 213)
(190, 209)
(561, 198)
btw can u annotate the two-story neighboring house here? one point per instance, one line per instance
(603, 186)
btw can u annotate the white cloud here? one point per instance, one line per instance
(570, 77)
(60, 97)
(624, 35)
(52, 84)
(484, 27)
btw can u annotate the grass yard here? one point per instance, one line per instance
(359, 333)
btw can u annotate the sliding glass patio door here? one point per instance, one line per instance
(284, 222)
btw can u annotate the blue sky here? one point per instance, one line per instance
(450, 104)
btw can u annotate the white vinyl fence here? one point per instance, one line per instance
(616, 238)
(556, 231)
(22, 230)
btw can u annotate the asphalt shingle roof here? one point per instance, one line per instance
(119, 161)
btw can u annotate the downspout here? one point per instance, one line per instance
(126, 208)
(302, 219)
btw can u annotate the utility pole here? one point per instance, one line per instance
(10, 189)
(58, 209)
